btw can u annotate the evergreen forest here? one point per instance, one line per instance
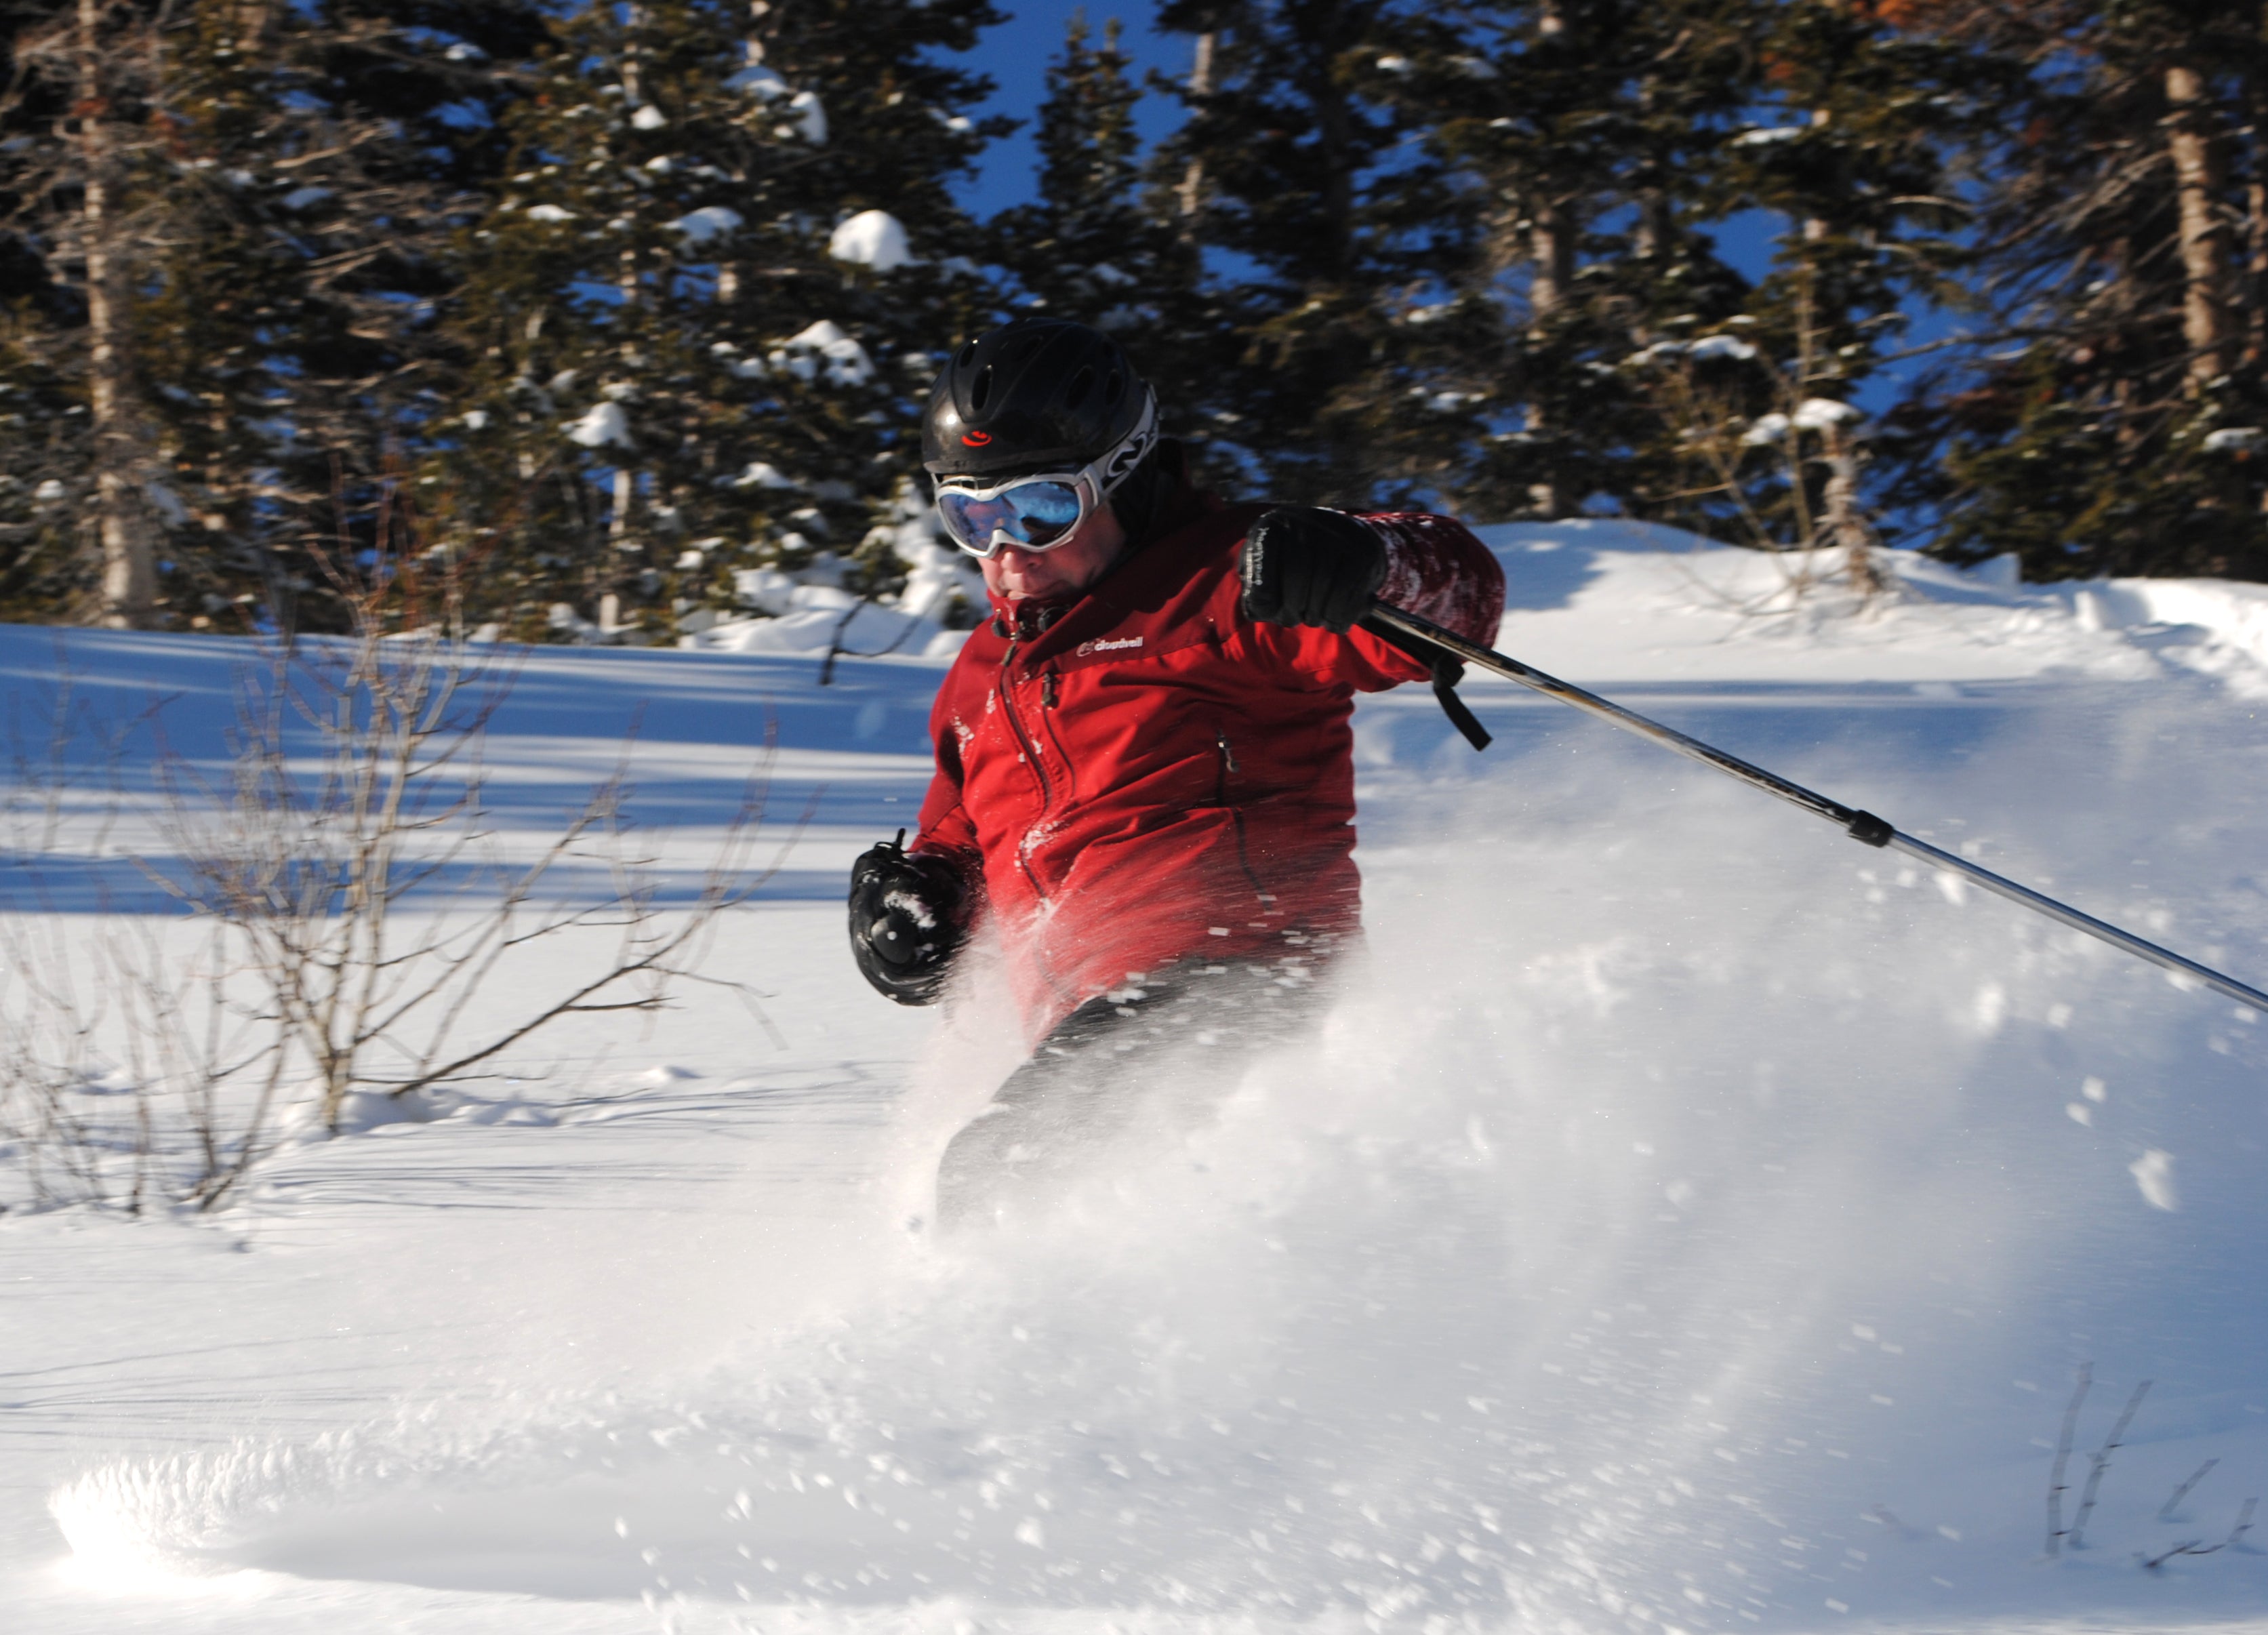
(591, 310)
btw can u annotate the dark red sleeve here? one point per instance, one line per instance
(1435, 569)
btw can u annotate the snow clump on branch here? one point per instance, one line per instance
(821, 349)
(601, 424)
(699, 226)
(874, 238)
(811, 120)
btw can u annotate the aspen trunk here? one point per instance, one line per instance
(129, 581)
(2207, 324)
(1190, 194)
(1551, 252)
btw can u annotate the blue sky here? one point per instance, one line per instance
(1015, 54)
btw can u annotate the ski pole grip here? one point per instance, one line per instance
(1867, 827)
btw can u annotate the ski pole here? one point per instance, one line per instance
(1861, 826)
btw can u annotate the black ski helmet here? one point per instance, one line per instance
(1034, 394)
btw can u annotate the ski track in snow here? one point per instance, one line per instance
(1682, 1223)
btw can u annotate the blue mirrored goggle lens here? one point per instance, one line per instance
(1034, 515)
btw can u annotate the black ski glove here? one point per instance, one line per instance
(1304, 565)
(905, 921)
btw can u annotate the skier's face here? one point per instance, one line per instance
(1064, 571)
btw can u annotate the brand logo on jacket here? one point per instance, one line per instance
(976, 439)
(1104, 647)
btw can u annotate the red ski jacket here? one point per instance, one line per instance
(1144, 773)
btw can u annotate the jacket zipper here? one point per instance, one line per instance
(1236, 820)
(1031, 759)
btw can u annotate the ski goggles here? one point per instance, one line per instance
(1040, 511)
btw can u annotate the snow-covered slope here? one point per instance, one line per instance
(1688, 1220)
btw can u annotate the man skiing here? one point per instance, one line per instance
(1145, 774)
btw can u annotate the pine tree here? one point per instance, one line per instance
(1862, 167)
(79, 118)
(2114, 417)
(277, 184)
(1323, 247)
(725, 264)
(1090, 247)
(1589, 136)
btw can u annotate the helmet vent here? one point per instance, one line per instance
(1081, 384)
(1114, 388)
(982, 389)
(967, 354)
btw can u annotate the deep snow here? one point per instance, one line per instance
(1688, 1219)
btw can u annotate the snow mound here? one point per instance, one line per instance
(1618, 600)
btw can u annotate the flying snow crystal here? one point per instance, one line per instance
(476, 419)
(761, 473)
(758, 82)
(1763, 136)
(604, 423)
(811, 118)
(1817, 414)
(48, 491)
(2235, 440)
(1473, 67)
(1394, 65)
(2154, 1172)
(549, 212)
(874, 238)
(1724, 346)
(300, 198)
(699, 226)
(649, 118)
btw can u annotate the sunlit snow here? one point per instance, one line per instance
(1678, 1224)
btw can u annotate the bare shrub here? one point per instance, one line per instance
(1788, 481)
(349, 897)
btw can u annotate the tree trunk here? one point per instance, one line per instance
(1190, 194)
(1551, 252)
(2207, 326)
(2253, 292)
(1551, 247)
(129, 580)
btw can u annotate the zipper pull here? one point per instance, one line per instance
(1227, 756)
(1048, 689)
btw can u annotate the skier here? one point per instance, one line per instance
(1145, 774)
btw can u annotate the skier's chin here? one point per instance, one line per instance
(1035, 586)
